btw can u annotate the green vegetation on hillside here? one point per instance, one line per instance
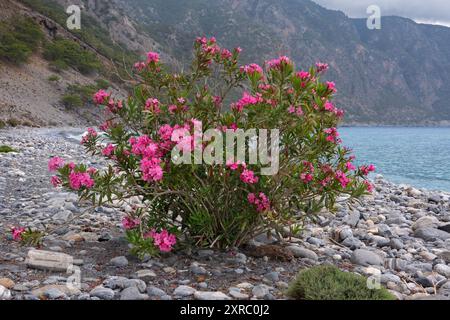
(6, 149)
(64, 53)
(91, 32)
(19, 38)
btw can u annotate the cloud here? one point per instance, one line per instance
(423, 11)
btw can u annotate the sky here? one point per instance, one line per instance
(421, 11)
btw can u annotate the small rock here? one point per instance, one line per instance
(366, 258)
(425, 222)
(155, 292)
(7, 283)
(54, 293)
(184, 291)
(146, 274)
(211, 295)
(197, 270)
(443, 270)
(431, 234)
(260, 291)
(272, 276)
(119, 262)
(5, 294)
(300, 252)
(237, 294)
(352, 219)
(132, 293)
(102, 293)
(47, 260)
(396, 243)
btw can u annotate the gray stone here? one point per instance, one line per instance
(211, 295)
(48, 260)
(54, 293)
(132, 293)
(315, 241)
(5, 294)
(260, 291)
(442, 269)
(205, 253)
(119, 261)
(184, 291)
(123, 283)
(146, 274)
(155, 292)
(426, 222)
(366, 258)
(272, 276)
(352, 243)
(384, 230)
(389, 277)
(300, 252)
(197, 270)
(102, 293)
(396, 243)
(431, 234)
(352, 219)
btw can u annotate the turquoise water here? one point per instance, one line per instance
(415, 156)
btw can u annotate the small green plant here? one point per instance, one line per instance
(19, 37)
(64, 53)
(13, 122)
(2, 124)
(330, 283)
(72, 100)
(6, 149)
(54, 78)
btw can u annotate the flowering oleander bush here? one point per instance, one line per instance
(225, 203)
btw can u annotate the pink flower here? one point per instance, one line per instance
(217, 100)
(139, 66)
(143, 146)
(303, 75)
(55, 181)
(320, 67)
(226, 54)
(17, 233)
(91, 133)
(101, 96)
(298, 111)
(165, 132)
(369, 186)
(246, 100)
(329, 106)
(151, 169)
(129, 223)
(307, 172)
(306, 177)
(152, 57)
(108, 150)
(331, 86)
(55, 163)
(172, 108)
(252, 69)
(235, 165)
(248, 176)
(365, 170)
(152, 105)
(332, 135)
(350, 166)
(342, 178)
(163, 240)
(261, 201)
(80, 179)
(279, 62)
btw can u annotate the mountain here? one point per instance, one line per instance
(396, 75)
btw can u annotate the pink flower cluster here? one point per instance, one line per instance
(153, 105)
(342, 178)
(108, 150)
(55, 163)
(331, 86)
(328, 106)
(321, 67)
(365, 170)
(295, 110)
(152, 57)
(307, 173)
(332, 135)
(151, 169)
(246, 100)
(163, 240)
(248, 176)
(101, 97)
(279, 62)
(144, 146)
(77, 180)
(17, 233)
(129, 223)
(261, 201)
(252, 69)
(91, 133)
